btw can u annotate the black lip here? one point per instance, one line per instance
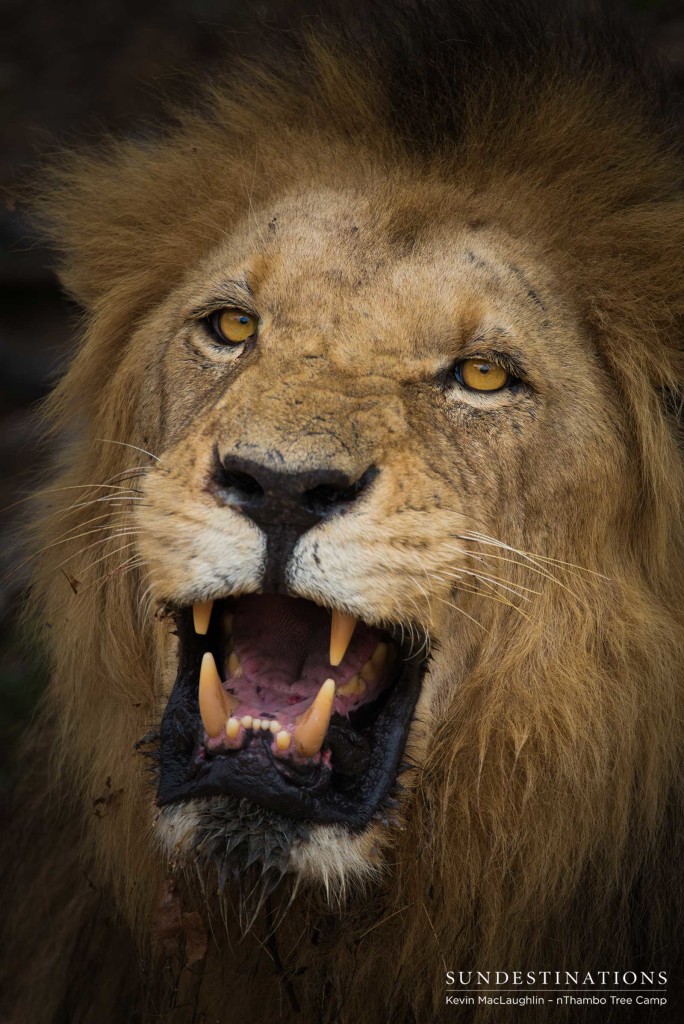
(254, 773)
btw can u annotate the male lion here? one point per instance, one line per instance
(361, 569)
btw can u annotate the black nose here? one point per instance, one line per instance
(285, 505)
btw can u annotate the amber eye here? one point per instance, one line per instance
(481, 375)
(234, 325)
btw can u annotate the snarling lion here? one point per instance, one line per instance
(360, 574)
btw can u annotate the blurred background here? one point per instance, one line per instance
(70, 70)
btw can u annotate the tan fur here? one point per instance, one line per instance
(545, 741)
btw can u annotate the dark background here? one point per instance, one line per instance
(70, 70)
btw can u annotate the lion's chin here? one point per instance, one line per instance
(292, 716)
(230, 837)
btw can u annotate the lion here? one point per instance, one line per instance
(360, 568)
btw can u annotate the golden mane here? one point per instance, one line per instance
(542, 823)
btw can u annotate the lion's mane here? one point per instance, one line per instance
(541, 829)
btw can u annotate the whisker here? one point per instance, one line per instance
(497, 581)
(109, 554)
(492, 597)
(485, 539)
(125, 444)
(95, 543)
(532, 567)
(55, 490)
(110, 515)
(112, 499)
(456, 608)
(103, 580)
(64, 540)
(129, 564)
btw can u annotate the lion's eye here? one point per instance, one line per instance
(481, 375)
(233, 325)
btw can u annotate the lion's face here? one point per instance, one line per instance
(364, 489)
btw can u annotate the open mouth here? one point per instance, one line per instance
(302, 710)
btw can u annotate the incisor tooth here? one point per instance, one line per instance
(283, 740)
(341, 629)
(265, 724)
(256, 723)
(232, 728)
(275, 726)
(214, 703)
(201, 613)
(310, 731)
(247, 722)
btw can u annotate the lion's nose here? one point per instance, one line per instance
(286, 504)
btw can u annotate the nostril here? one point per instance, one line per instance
(279, 501)
(242, 488)
(243, 482)
(328, 498)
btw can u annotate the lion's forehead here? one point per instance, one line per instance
(369, 279)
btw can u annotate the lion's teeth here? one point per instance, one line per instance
(369, 672)
(232, 727)
(234, 665)
(256, 723)
(274, 725)
(373, 668)
(247, 722)
(265, 724)
(201, 613)
(379, 656)
(283, 740)
(341, 629)
(310, 731)
(354, 688)
(214, 704)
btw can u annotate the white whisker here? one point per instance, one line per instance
(125, 444)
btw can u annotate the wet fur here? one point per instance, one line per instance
(538, 825)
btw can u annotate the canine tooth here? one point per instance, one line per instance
(275, 726)
(265, 724)
(283, 740)
(234, 665)
(214, 704)
(256, 723)
(247, 722)
(354, 688)
(313, 725)
(341, 629)
(201, 613)
(232, 727)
